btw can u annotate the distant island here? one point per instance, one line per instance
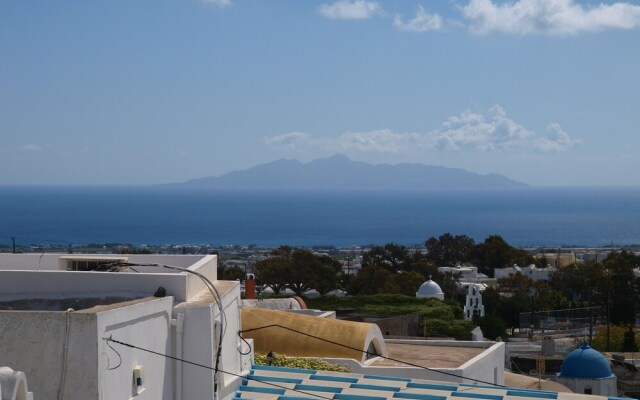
(339, 172)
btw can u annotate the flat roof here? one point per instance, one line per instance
(86, 304)
(425, 355)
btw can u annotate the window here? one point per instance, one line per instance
(95, 264)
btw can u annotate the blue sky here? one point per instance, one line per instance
(153, 91)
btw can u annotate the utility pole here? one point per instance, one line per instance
(13, 239)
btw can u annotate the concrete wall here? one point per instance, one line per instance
(602, 387)
(402, 325)
(201, 329)
(52, 283)
(62, 284)
(231, 360)
(488, 366)
(34, 342)
(198, 342)
(35, 262)
(148, 325)
(49, 261)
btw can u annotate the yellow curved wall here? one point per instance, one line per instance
(356, 335)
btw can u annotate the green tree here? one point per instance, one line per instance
(581, 285)
(274, 272)
(232, 274)
(298, 269)
(408, 282)
(370, 280)
(391, 256)
(616, 339)
(310, 271)
(495, 252)
(449, 250)
(492, 326)
(623, 290)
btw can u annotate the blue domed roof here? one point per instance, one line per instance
(585, 363)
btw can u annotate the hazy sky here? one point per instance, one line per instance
(152, 91)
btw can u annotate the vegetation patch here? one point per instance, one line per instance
(280, 360)
(437, 318)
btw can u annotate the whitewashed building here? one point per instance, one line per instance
(68, 322)
(531, 271)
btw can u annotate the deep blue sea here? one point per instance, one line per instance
(159, 215)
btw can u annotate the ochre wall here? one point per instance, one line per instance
(356, 335)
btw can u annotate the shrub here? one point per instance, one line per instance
(616, 339)
(299, 362)
(492, 326)
(435, 327)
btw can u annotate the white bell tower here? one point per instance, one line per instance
(473, 305)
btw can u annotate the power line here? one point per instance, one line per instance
(109, 339)
(366, 352)
(218, 298)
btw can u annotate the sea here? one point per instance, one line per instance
(156, 215)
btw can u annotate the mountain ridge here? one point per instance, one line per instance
(338, 171)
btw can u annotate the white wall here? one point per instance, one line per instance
(602, 387)
(29, 261)
(29, 337)
(199, 348)
(200, 345)
(33, 342)
(49, 261)
(487, 366)
(16, 284)
(147, 325)
(63, 284)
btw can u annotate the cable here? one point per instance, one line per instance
(109, 368)
(248, 344)
(218, 299)
(367, 352)
(110, 339)
(65, 353)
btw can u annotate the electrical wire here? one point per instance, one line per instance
(368, 353)
(110, 339)
(65, 353)
(215, 293)
(248, 345)
(109, 367)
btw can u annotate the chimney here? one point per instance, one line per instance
(250, 287)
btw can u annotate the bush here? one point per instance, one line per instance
(492, 326)
(616, 339)
(440, 318)
(461, 329)
(441, 311)
(299, 362)
(456, 328)
(435, 327)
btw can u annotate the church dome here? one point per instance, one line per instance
(430, 289)
(585, 363)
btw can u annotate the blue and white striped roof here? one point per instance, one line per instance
(266, 382)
